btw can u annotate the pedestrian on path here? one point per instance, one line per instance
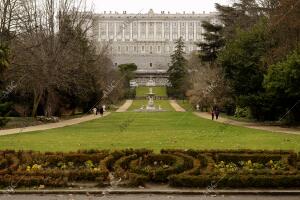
(217, 113)
(101, 111)
(95, 111)
(212, 114)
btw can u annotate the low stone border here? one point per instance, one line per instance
(149, 191)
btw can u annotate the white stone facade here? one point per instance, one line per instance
(148, 39)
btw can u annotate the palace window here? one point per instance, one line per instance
(158, 49)
(150, 64)
(143, 48)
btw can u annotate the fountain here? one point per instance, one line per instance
(150, 96)
(150, 107)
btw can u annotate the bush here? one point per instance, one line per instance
(159, 167)
(242, 112)
(184, 168)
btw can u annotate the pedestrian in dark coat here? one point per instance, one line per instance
(212, 114)
(217, 113)
(101, 110)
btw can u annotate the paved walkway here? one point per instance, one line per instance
(251, 124)
(125, 106)
(51, 125)
(176, 106)
(147, 197)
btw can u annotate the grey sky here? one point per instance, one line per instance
(143, 6)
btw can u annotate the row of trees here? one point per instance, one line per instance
(249, 62)
(46, 55)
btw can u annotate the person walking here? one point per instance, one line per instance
(101, 111)
(95, 111)
(217, 113)
(212, 113)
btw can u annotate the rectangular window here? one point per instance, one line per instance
(143, 48)
(127, 48)
(119, 49)
(150, 49)
(134, 49)
(158, 49)
(150, 64)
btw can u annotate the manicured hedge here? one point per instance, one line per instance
(179, 168)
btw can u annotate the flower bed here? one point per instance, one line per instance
(179, 168)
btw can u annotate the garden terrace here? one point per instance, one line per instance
(178, 168)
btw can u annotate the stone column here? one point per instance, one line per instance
(131, 33)
(115, 31)
(195, 31)
(99, 35)
(107, 36)
(154, 30)
(123, 32)
(187, 31)
(178, 29)
(139, 30)
(163, 30)
(171, 31)
(146, 30)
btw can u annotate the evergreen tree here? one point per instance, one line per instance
(127, 70)
(213, 42)
(177, 71)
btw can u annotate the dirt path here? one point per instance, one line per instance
(125, 106)
(51, 125)
(176, 107)
(253, 125)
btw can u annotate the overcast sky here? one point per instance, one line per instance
(143, 6)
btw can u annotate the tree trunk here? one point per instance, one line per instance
(36, 101)
(51, 100)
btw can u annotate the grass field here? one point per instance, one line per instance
(150, 130)
(159, 91)
(186, 105)
(164, 104)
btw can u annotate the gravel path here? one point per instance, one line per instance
(251, 124)
(176, 106)
(51, 125)
(125, 106)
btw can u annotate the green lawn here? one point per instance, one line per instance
(186, 105)
(150, 130)
(159, 91)
(164, 104)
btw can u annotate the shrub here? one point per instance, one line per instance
(186, 168)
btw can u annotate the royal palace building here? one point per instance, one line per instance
(148, 39)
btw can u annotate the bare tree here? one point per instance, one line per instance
(208, 85)
(54, 54)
